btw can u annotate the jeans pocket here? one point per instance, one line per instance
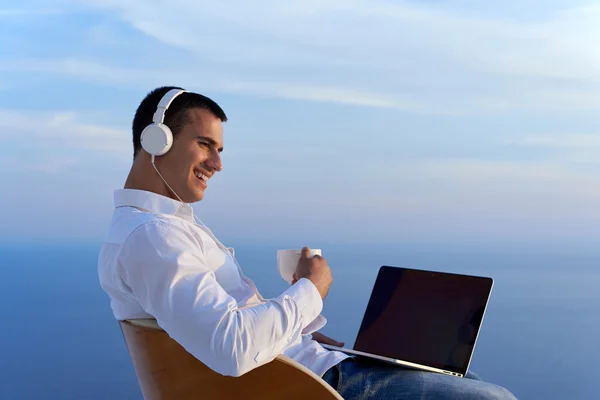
(332, 376)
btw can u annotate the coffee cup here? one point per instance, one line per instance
(287, 262)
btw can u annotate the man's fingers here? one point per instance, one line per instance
(305, 252)
(319, 337)
(333, 342)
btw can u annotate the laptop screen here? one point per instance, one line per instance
(424, 317)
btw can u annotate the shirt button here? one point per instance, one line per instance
(290, 339)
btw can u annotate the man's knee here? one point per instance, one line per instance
(495, 392)
(450, 387)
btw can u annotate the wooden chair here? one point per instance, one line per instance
(165, 370)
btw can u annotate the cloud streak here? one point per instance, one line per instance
(62, 130)
(565, 142)
(480, 170)
(401, 55)
(95, 72)
(516, 88)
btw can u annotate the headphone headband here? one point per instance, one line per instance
(163, 105)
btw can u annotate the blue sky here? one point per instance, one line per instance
(410, 121)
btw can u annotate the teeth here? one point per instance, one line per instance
(201, 176)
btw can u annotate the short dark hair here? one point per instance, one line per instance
(176, 116)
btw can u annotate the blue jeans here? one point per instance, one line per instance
(361, 379)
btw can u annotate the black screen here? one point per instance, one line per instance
(424, 317)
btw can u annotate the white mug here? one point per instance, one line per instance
(287, 262)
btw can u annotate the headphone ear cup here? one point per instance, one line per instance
(156, 139)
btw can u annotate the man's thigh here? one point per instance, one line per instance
(358, 379)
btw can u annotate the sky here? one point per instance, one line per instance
(349, 120)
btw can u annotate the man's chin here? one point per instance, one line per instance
(192, 196)
(198, 195)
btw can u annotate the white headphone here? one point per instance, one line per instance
(157, 137)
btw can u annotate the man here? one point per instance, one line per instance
(158, 262)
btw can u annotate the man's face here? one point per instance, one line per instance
(195, 156)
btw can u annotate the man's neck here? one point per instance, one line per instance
(141, 178)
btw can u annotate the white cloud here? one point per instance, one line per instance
(53, 166)
(422, 58)
(569, 150)
(28, 12)
(76, 68)
(97, 72)
(12, 12)
(63, 130)
(483, 187)
(480, 170)
(565, 141)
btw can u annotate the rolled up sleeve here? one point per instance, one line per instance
(165, 269)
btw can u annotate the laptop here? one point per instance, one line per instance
(423, 320)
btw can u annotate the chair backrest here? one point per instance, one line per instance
(165, 370)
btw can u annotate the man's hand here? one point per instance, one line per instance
(319, 337)
(315, 269)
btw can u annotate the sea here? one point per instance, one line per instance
(59, 340)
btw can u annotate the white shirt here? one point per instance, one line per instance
(156, 262)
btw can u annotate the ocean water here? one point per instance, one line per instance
(58, 339)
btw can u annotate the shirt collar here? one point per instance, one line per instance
(153, 202)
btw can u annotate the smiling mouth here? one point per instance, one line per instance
(201, 176)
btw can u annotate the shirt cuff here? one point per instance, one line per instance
(314, 326)
(307, 298)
